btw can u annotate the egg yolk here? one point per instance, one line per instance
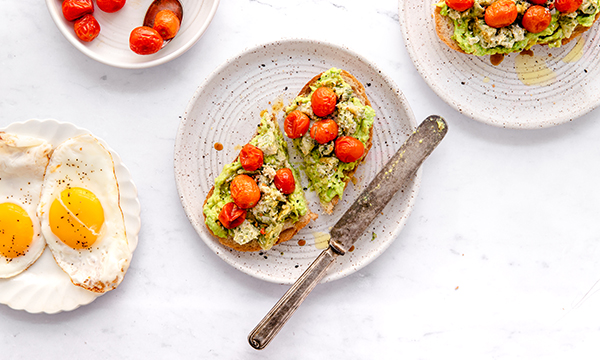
(16, 230)
(76, 218)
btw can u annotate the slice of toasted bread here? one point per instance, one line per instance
(360, 93)
(444, 27)
(290, 227)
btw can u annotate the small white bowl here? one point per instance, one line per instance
(111, 47)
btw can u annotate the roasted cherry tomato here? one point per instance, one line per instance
(567, 6)
(244, 191)
(87, 28)
(145, 40)
(231, 215)
(74, 9)
(349, 149)
(536, 19)
(323, 131)
(501, 13)
(110, 6)
(284, 181)
(323, 101)
(251, 157)
(167, 24)
(460, 5)
(296, 124)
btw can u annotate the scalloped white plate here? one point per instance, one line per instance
(226, 108)
(111, 47)
(44, 287)
(568, 77)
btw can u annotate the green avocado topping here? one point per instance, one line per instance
(323, 169)
(474, 36)
(264, 222)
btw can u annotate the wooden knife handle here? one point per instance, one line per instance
(270, 325)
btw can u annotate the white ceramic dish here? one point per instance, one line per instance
(564, 88)
(226, 108)
(44, 287)
(111, 47)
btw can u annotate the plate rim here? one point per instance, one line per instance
(213, 245)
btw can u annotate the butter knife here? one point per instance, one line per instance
(399, 169)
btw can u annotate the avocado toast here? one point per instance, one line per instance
(335, 107)
(257, 200)
(535, 22)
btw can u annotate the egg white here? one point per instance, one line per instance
(23, 161)
(83, 162)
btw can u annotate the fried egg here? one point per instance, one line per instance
(23, 161)
(80, 215)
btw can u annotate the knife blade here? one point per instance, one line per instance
(398, 170)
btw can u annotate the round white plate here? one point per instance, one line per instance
(226, 109)
(564, 85)
(44, 287)
(111, 47)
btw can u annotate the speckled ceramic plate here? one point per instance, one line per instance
(111, 47)
(551, 87)
(44, 287)
(226, 110)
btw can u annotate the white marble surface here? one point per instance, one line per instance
(499, 260)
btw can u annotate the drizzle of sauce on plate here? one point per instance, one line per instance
(576, 52)
(496, 59)
(218, 146)
(533, 70)
(321, 240)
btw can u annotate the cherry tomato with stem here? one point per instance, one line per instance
(567, 6)
(87, 28)
(536, 19)
(145, 40)
(251, 157)
(349, 149)
(323, 101)
(284, 181)
(323, 131)
(501, 13)
(231, 216)
(167, 24)
(244, 191)
(74, 9)
(296, 124)
(460, 5)
(110, 6)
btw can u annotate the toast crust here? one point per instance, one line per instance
(359, 90)
(444, 27)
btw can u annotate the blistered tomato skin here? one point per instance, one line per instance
(460, 5)
(87, 28)
(145, 40)
(167, 24)
(567, 6)
(232, 216)
(323, 131)
(244, 191)
(296, 124)
(251, 157)
(74, 9)
(323, 101)
(536, 19)
(501, 13)
(284, 181)
(348, 149)
(110, 6)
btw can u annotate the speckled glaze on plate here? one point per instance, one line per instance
(494, 94)
(44, 287)
(226, 110)
(111, 47)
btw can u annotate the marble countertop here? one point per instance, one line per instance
(499, 259)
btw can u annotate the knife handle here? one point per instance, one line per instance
(270, 325)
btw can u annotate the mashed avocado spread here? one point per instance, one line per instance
(474, 36)
(265, 221)
(324, 170)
